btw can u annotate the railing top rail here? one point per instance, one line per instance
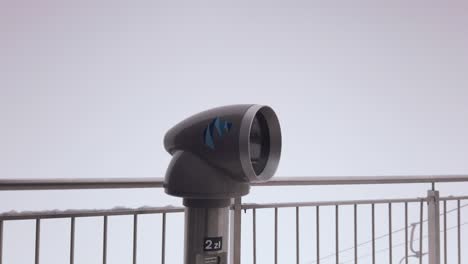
(48, 214)
(82, 183)
(355, 180)
(13, 215)
(246, 206)
(129, 183)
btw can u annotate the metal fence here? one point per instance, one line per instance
(427, 232)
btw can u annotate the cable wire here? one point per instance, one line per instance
(383, 236)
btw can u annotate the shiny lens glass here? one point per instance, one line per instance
(259, 143)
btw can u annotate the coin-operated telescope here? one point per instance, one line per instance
(216, 155)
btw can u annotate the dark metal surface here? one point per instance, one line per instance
(202, 223)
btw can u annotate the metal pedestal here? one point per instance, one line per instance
(206, 235)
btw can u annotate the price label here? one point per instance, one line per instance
(213, 244)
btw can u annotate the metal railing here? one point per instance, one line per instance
(430, 215)
(81, 184)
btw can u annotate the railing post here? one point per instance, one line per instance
(235, 232)
(433, 226)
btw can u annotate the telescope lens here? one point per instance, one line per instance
(259, 143)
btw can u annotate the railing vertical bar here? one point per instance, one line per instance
(355, 235)
(235, 231)
(38, 241)
(406, 232)
(135, 237)
(421, 237)
(373, 233)
(254, 233)
(337, 235)
(297, 235)
(390, 237)
(445, 232)
(1, 241)
(317, 225)
(276, 235)
(163, 239)
(72, 240)
(104, 240)
(433, 224)
(459, 231)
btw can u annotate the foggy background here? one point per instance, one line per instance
(88, 89)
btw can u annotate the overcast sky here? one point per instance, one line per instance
(88, 89)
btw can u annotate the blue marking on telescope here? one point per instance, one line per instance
(222, 127)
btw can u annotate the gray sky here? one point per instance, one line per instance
(88, 89)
